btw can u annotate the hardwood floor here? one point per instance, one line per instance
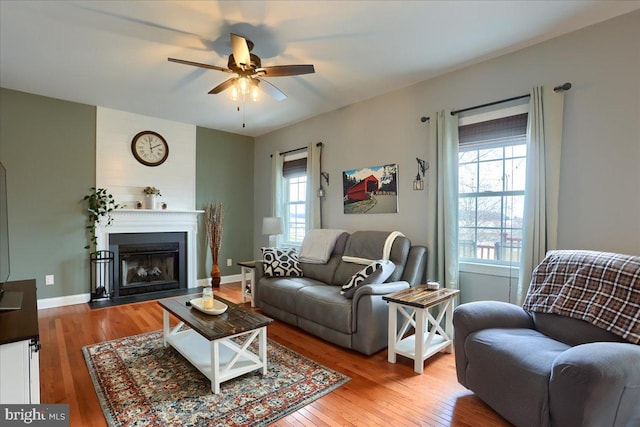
(379, 393)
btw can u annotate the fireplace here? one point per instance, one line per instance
(148, 262)
(130, 226)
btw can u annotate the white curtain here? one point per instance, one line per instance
(544, 142)
(313, 218)
(277, 162)
(442, 210)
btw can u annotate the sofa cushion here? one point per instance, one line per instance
(325, 272)
(324, 305)
(281, 292)
(524, 358)
(280, 262)
(399, 254)
(375, 273)
(571, 331)
(321, 272)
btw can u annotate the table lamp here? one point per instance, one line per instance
(272, 226)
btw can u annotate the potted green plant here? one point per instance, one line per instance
(100, 205)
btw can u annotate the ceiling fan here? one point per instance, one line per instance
(249, 71)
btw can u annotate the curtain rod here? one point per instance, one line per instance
(561, 88)
(319, 144)
(488, 104)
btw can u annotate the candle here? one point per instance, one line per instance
(207, 298)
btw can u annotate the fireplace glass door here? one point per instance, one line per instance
(142, 269)
(148, 268)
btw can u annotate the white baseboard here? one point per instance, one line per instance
(84, 298)
(224, 279)
(63, 301)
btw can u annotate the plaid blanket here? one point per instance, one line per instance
(598, 287)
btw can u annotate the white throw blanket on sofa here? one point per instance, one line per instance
(318, 245)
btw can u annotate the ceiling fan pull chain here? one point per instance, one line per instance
(244, 108)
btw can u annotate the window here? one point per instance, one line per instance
(491, 183)
(294, 197)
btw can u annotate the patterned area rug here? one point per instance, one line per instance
(141, 383)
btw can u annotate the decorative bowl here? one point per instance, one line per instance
(218, 306)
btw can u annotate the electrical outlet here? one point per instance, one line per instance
(49, 279)
(229, 262)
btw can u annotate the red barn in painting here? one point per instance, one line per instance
(359, 191)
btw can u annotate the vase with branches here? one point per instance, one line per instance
(213, 215)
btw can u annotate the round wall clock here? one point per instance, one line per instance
(149, 148)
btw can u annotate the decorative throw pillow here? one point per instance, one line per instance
(281, 262)
(375, 273)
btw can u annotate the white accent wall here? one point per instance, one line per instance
(124, 177)
(119, 172)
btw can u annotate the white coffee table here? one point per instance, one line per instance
(217, 345)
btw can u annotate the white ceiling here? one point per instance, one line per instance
(114, 53)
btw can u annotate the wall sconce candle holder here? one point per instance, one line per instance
(325, 175)
(418, 183)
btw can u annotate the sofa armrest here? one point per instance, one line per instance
(258, 273)
(370, 316)
(371, 296)
(379, 289)
(479, 315)
(596, 384)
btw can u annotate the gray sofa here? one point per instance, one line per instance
(548, 364)
(313, 302)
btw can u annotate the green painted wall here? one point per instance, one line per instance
(224, 173)
(48, 148)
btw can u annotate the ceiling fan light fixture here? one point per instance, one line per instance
(243, 88)
(243, 85)
(248, 71)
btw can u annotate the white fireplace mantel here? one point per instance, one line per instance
(155, 221)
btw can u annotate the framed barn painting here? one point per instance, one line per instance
(371, 190)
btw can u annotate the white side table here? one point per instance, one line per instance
(414, 304)
(247, 277)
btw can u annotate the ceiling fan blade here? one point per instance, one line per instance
(285, 70)
(223, 86)
(271, 90)
(198, 64)
(240, 51)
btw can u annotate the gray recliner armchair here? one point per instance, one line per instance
(570, 355)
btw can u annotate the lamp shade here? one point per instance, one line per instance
(272, 225)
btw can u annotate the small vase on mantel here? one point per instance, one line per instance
(150, 201)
